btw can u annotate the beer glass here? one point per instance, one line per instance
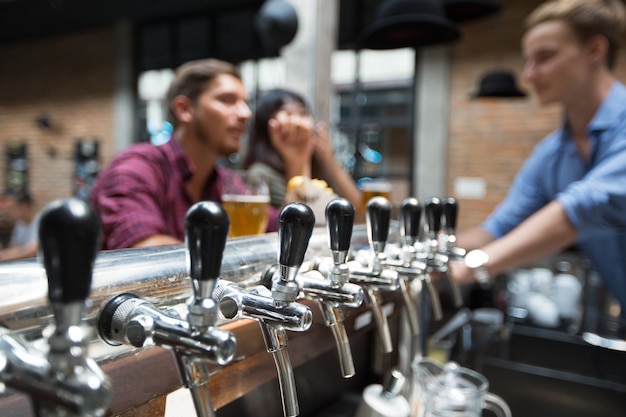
(246, 199)
(375, 188)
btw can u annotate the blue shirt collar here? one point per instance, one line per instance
(611, 109)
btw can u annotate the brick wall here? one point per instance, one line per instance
(491, 138)
(70, 79)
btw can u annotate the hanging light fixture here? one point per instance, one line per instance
(498, 83)
(276, 24)
(409, 24)
(464, 10)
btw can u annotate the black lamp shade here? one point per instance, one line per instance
(465, 10)
(409, 24)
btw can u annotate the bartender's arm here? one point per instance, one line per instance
(545, 232)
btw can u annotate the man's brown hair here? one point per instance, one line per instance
(587, 18)
(193, 78)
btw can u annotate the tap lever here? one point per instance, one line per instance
(450, 213)
(294, 231)
(410, 216)
(377, 216)
(69, 236)
(432, 212)
(206, 231)
(296, 226)
(339, 222)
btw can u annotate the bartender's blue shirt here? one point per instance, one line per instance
(593, 193)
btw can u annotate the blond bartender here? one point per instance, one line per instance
(286, 143)
(572, 189)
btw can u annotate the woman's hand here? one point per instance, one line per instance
(292, 135)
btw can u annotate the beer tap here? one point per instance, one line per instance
(196, 341)
(450, 215)
(335, 292)
(434, 258)
(410, 267)
(274, 304)
(376, 277)
(63, 382)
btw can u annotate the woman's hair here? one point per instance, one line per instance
(260, 148)
(193, 78)
(587, 18)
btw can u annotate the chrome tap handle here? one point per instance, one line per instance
(377, 216)
(410, 216)
(206, 231)
(274, 319)
(69, 236)
(127, 319)
(432, 212)
(450, 213)
(295, 227)
(339, 222)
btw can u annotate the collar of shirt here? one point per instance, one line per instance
(608, 117)
(179, 158)
(214, 184)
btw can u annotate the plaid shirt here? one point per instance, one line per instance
(143, 193)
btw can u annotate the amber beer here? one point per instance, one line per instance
(249, 214)
(373, 189)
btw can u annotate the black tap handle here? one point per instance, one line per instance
(339, 222)
(432, 211)
(294, 231)
(69, 236)
(377, 216)
(410, 215)
(450, 213)
(206, 231)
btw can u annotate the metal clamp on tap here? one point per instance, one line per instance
(376, 277)
(274, 305)
(435, 259)
(335, 292)
(63, 382)
(196, 341)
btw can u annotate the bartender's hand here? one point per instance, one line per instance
(461, 273)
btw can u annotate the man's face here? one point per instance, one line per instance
(221, 113)
(557, 64)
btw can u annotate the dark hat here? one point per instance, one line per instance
(409, 23)
(276, 24)
(498, 83)
(464, 10)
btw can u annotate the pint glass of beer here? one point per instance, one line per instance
(246, 199)
(375, 188)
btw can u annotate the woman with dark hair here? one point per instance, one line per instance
(285, 142)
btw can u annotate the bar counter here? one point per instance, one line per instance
(142, 378)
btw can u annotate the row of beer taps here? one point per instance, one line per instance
(62, 380)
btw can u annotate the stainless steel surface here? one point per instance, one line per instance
(156, 274)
